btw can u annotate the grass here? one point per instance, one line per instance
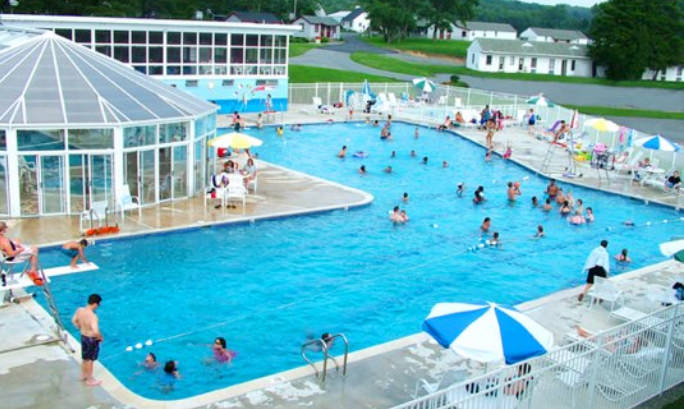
(305, 73)
(448, 48)
(297, 49)
(387, 63)
(640, 113)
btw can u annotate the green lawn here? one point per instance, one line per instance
(305, 73)
(297, 49)
(449, 48)
(641, 113)
(387, 63)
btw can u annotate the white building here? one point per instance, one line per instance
(550, 35)
(471, 30)
(356, 21)
(494, 55)
(317, 28)
(673, 73)
(339, 15)
(234, 65)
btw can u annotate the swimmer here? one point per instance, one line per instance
(405, 198)
(221, 354)
(565, 208)
(150, 362)
(460, 189)
(512, 192)
(495, 241)
(540, 232)
(343, 152)
(404, 216)
(445, 164)
(627, 223)
(535, 201)
(577, 218)
(486, 224)
(170, 374)
(362, 169)
(590, 215)
(384, 133)
(279, 131)
(367, 120)
(560, 199)
(552, 189)
(623, 257)
(394, 154)
(579, 205)
(547, 205)
(425, 160)
(388, 169)
(570, 199)
(376, 123)
(413, 154)
(395, 215)
(415, 133)
(479, 195)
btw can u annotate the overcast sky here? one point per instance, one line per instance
(584, 3)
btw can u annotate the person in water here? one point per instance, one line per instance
(535, 201)
(577, 218)
(494, 241)
(425, 160)
(540, 232)
(479, 195)
(460, 189)
(404, 216)
(565, 208)
(547, 206)
(388, 169)
(169, 376)
(552, 189)
(221, 353)
(394, 154)
(445, 164)
(395, 215)
(486, 224)
(416, 134)
(343, 152)
(405, 198)
(75, 250)
(150, 362)
(413, 153)
(362, 169)
(623, 257)
(513, 192)
(590, 215)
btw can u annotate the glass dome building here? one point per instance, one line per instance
(77, 127)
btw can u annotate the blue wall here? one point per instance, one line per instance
(241, 96)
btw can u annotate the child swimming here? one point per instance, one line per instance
(623, 257)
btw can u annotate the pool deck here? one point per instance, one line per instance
(43, 374)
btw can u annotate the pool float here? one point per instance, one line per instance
(360, 154)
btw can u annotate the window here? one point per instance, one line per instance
(205, 38)
(552, 66)
(173, 54)
(156, 37)
(252, 40)
(533, 65)
(156, 70)
(139, 54)
(139, 37)
(205, 54)
(220, 55)
(121, 37)
(227, 83)
(190, 38)
(489, 60)
(121, 53)
(191, 83)
(572, 65)
(156, 54)
(64, 32)
(521, 63)
(173, 38)
(173, 132)
(272, 83)
(472, 59)
(139, 136)
(3, 140)
(189, 54)
(91, 138)
(40, 140)
(464, 34)
(104, 49)
(103, 36)
(220, 39)
(140, 68)
(237, 39)
(82, 36)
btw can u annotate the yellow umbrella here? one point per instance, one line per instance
(235, 140)
(602, 125)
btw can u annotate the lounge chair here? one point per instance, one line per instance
(236, 190)
(125, 201)
(97, 213)
(606, 290)
(450, 377)
(631, 314)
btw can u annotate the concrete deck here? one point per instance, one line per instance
(45, 376)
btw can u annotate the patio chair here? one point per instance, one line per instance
(236, 190)
(442, 100)
(97, 212)
(629, 164)
(633, 315)
(125, 201)
(606, 290)
(458, 102)
(450, 377)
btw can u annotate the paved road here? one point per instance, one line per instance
(670, 128)
(352, 44)
(326, 58)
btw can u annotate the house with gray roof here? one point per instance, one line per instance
(253, 17)
(357, 20)
(536, 57)
(471, 30)
(318, 28)
(551, 35)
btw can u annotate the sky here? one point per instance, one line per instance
(583, 3)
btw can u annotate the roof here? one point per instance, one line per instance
(486, 26)
(522, 47)
(49, 80)
(354, 14)
(328, 21)
(10, 36)
(339, 14)
(254, 17)
(559, 34)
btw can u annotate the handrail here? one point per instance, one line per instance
(323, 345)
(346, 351)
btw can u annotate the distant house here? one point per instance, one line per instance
(339, 15)
(253, 17)
(673, 73)
(471, 30)
(495, 55)
(551, 35)
(357, 20)
(315, 27)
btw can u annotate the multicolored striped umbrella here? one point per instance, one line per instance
(424, 84)
(541, 100)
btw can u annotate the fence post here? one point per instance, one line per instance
(668, 346)
(316, 89)
(328, 99)
(342, 93)
(594, 371)
(468, 98)
(515, 107)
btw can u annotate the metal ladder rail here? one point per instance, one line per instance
(346, 351)
(326, 356)
(52, 307)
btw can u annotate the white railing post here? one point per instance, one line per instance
(342, 93)
(316, 89)
(328, 99)
(595, 368)
(668, 346)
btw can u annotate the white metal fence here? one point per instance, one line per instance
(614, 369)
(447, 100)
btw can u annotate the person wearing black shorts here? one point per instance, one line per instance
(597, 265)
(87, 323)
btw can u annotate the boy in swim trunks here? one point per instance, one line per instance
(86, 321)
(75, 250)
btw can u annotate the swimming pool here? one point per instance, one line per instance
(264, 286)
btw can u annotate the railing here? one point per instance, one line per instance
(615, 369)
(447, 100)
(324, 345)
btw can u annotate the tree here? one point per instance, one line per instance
(442, 13)
(633, 35)
(394, 19)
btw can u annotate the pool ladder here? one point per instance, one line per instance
(326, 356)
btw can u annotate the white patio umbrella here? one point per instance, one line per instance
(487, 333)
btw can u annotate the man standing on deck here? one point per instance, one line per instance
(597, 265)
(86, 321)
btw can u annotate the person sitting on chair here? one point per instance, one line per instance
(13, 250)
(674, 181)
(563, 129)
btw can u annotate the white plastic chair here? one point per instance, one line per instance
(126, 201)
(236, 190)
(392, 99)
(98, 212)
(606, 290)
(458, 102)
(630, 163)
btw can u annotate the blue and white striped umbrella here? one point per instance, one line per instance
(487, 333)
(657, 143)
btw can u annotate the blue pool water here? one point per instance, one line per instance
(264, 286)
